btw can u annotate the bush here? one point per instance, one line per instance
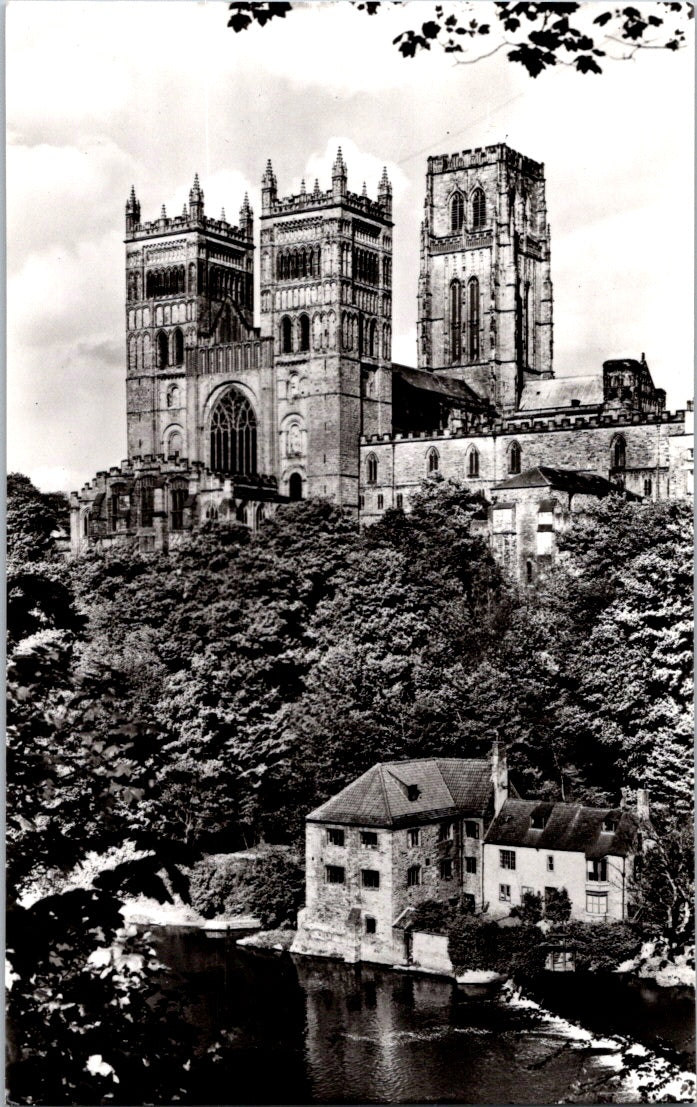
(599, 947)
(557, 905)
(268, 883)
(436, 916)
(530, 910)
(475, 942)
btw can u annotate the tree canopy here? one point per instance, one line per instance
(538, 36)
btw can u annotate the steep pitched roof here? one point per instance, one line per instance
(380, 797)
(450, 388)
(559, 392)
(564, 480)
(569, 826)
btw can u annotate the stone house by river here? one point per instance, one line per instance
(407, 832)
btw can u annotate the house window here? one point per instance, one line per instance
(473, 463)
(334, 874)
(370, 878)
(538, 821)
(432, 461)
(413, 876)
(369, 839)
(507, 858)
(596, 903)
(648, 486)
(457, 212)
(514, 458)
(610, 823)
(526, 891)
(335, 837)
(400, 501)
(413, 837)
(550, 863)
(470, 864)
(370, 925)
(445, 831)
(471, 829)
(446, 868)
(371, 467)
(597, 870)
(505, 893)
(381, 501)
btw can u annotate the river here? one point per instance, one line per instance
(302, 1030)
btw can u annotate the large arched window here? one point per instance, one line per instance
(478, 209)
(233, 435)
(514, 458)
(457, 212)
(455, 321)
(473, 310)
(619, 453)
(178, 347)
(162, 350)
(286, 335)
(432, 461)
(304, 332)
(295, 486)
(473, 463)
(371, 469)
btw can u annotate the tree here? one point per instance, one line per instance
(663, 885)
(538, 36)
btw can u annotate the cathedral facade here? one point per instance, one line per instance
(226, 419)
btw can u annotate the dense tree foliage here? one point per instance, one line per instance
(205, 700)
(537, 36)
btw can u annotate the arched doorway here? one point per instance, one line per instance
(233, 435)
(295, 486)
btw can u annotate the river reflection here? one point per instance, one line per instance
(277, 1029)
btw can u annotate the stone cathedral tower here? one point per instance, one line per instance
(485, 291)
(326, 301)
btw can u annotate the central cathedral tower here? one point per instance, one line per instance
(485, 290)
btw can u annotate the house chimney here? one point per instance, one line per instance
(499, 774)
(642, 805)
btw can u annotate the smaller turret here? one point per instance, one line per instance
(196, 201)
(339, 176)
(246, 218)
(268, 188)
(385, 193)
(132, 212)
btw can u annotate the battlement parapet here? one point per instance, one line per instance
(181, 224)
(484, 155)
(307, 201)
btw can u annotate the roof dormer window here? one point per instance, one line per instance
(412, 792)
(610, 823)
(538, 820)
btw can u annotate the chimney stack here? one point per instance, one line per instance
(499, 774)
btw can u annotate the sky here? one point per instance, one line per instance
(104, 95)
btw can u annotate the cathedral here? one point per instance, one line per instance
(227, 419)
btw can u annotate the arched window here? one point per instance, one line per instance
(455, 321)
(478, 209)
(177, 499)
(473, 306)
(304, 332)
(259, 516)
(175, 444)
(146, 492)
(473, 463)
(295, 486)
(241, 514)
(286, 335)
(529, 572)
(178, 347)
(619, 453)
(162, 350)
(514, 458)
(371, 469)
(372, 335)
(86, 524)
(233, 435)
(432, 461)
(212, 514)
(457, 212)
